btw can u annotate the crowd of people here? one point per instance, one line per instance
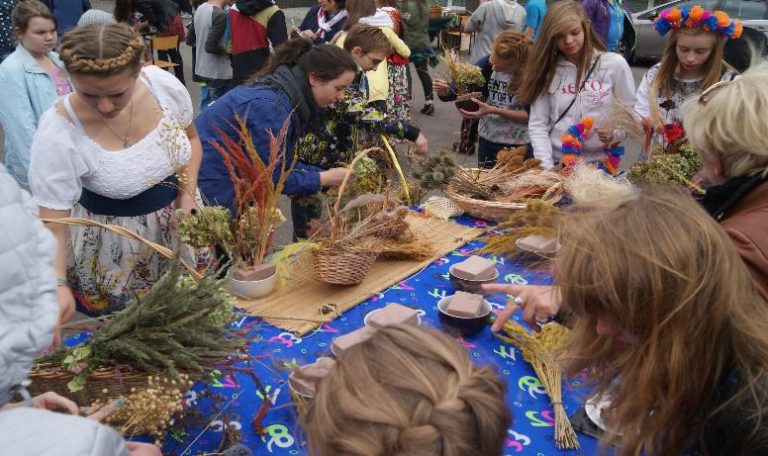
(664, 293)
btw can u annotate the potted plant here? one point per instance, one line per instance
(467, 78)
(245, 237)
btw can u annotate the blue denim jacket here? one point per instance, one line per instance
(28, 91)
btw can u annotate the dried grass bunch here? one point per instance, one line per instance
(246, 235)
(149, 410)
(178, 326)
(544, 351)
(538, 217)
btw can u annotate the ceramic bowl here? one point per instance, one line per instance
(466, 326)
(369, 314)
(528, 255)
(470, 286)
(251, 289)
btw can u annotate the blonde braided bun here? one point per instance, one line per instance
(101, 49)
(408, 392)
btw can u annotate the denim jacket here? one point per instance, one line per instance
(28, 91)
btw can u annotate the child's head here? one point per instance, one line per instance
(566, 31)
(663, 307)
(34, 26)
(408, 391)
(367, 45)
(695, 46)
(510, 55)
(102, 50)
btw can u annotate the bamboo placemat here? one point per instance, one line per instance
(303, 303)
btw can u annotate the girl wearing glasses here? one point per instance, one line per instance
(570, 75)
(692, 62)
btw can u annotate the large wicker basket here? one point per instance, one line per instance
(102, 384)
(482, 209)
(343, 267)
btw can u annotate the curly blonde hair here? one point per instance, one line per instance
(408, 391)
(102, 49)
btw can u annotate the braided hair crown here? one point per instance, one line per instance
(101, 49)
(408, 392)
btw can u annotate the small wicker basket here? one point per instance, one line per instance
(343, 267)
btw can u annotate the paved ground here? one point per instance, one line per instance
(442, 128)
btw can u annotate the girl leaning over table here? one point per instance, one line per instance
(122, 150)
(570, 76)
(670, 327)
(32, 78)
(692, 62)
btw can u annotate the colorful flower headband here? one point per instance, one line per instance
(573, 140)
(697, 17)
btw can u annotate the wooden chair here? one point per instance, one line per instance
(459, 32)
(163, 43)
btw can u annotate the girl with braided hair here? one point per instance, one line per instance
(32, 78)
(121, 149)
(408, 391)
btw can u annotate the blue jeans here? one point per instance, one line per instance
(205, 96)
(487, 152)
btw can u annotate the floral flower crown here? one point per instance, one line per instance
(697, 17)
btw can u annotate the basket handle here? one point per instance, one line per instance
(342, 189)
(160, 249)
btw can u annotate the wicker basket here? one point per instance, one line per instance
(343, 267)
(102, 384)
(482, 209)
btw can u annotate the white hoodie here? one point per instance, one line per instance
(612, 78)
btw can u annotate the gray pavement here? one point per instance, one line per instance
(442, 128)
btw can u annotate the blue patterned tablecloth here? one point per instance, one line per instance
(233, 399)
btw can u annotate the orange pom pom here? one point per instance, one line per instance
(588, 122)
(674, 15)
(722, 19)
(737, 30)
(695, 14)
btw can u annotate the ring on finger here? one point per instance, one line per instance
(519, 301)
(542, 321)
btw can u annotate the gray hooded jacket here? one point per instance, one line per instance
(28, 313)
(489, 20)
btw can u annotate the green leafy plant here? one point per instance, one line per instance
(179, 325)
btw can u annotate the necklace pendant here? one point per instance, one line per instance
(126, 144)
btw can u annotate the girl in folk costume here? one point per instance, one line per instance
(692, 62)
(570, 76)
(121, 149)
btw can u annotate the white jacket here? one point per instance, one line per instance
(28, 314)
(612, 78)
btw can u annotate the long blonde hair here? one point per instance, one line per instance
(408, 392)
(660, 268)
(541, 67)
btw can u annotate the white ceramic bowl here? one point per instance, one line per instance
(251, 289)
